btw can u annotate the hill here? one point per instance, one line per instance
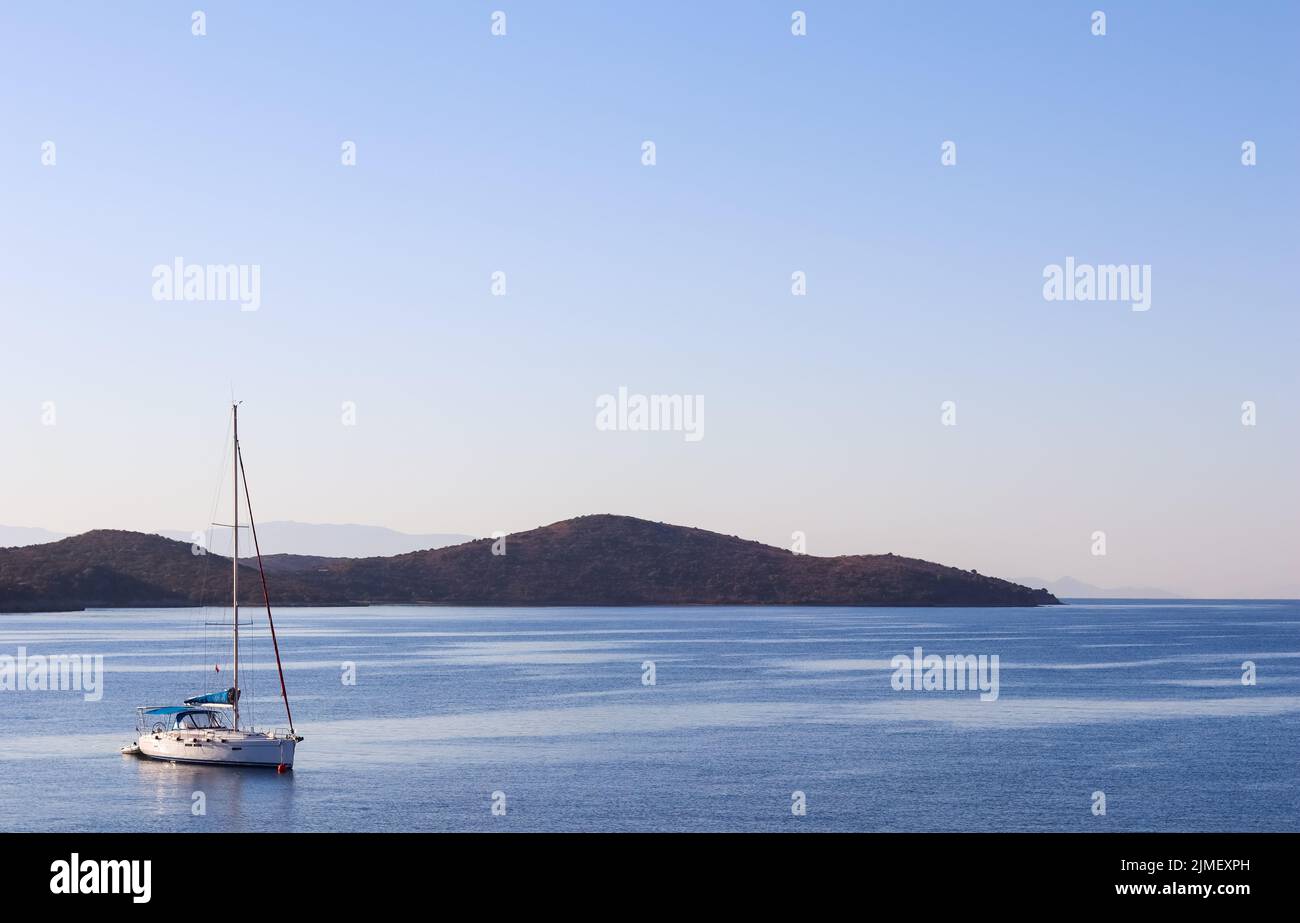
(598, 560)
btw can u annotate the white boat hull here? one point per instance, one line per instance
(227, 748)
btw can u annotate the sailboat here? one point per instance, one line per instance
(206, 728)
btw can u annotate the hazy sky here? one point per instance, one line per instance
(775, 153)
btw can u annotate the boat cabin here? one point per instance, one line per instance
(181, 718)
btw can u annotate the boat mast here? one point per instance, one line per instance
(234, 558)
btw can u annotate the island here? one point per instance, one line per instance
(598, 560)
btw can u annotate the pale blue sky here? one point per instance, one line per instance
(775, 154)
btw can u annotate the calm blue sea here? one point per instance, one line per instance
(1140, 700)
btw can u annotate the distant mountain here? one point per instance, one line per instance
(1070, 588)
(302, 538)
(14, 536)
(325, 540)
(592, 560)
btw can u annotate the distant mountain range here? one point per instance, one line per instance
(1070, 588)
(326, 540)
(14, 536)
(592, 560)
(323, 539)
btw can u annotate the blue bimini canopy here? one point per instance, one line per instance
(214, 698)
(166, 710)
